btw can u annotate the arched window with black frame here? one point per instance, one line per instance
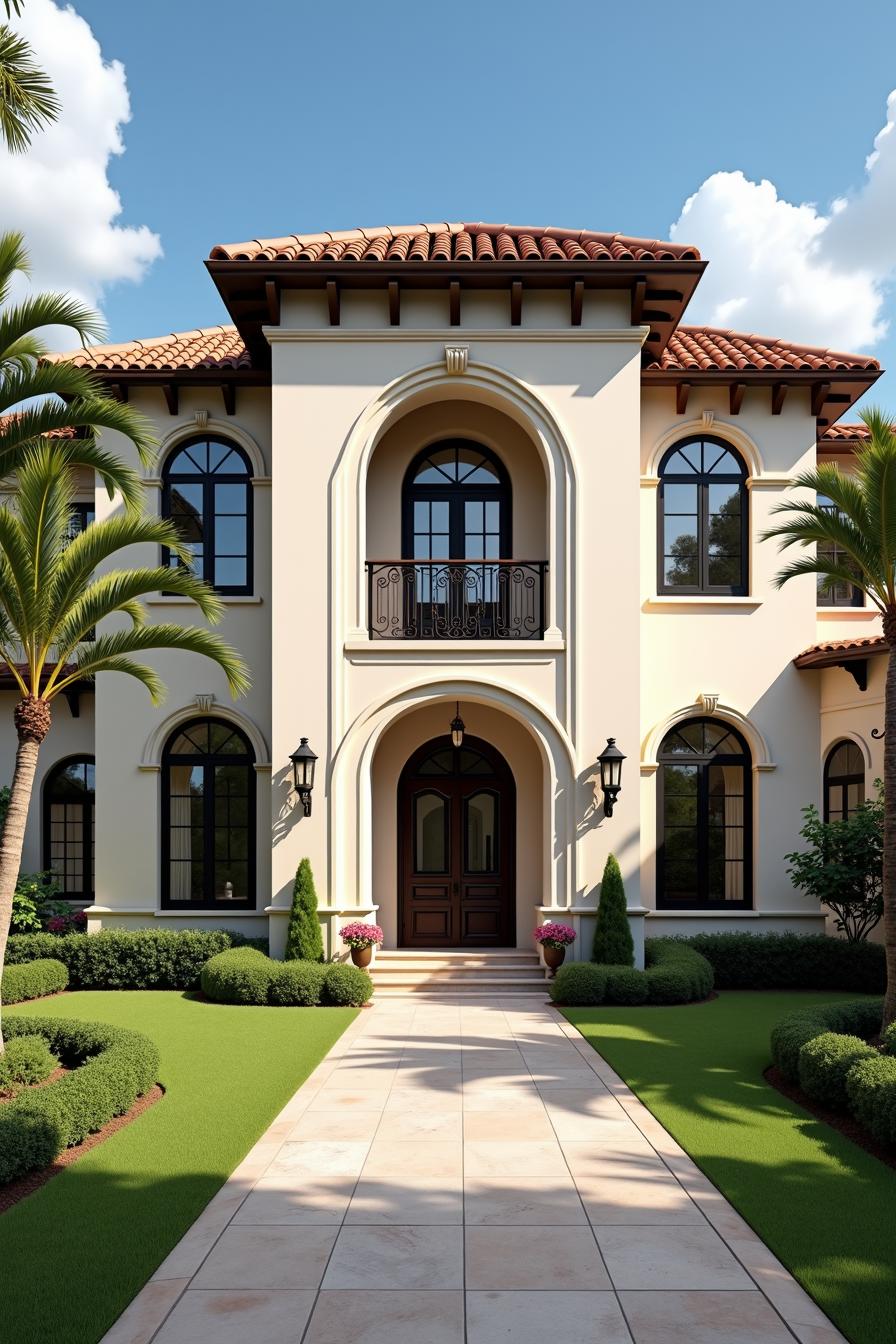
(703, 519)
(207, 494)
(208, 817)
(844, 780)
(68, 826)
(704, 826)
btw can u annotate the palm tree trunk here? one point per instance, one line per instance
(890, 817)
(32, 720)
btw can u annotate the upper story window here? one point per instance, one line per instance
(207, 494)
(842, 594)
(703, 519)
(844, 781)
(456, 504)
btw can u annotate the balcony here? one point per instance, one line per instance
(456, 599)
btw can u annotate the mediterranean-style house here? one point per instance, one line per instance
(481, 473)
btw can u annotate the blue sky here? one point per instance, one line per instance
(288, 117)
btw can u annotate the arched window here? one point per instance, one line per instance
(69, 826)
(207, 494)
(703, 519)
(844, 781)
(704, 824)
(456, 504)
(208, 817)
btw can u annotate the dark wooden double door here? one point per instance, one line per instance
(456, 832)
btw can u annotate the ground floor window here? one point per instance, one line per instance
(208, 817)
(705, 818)
(844, 781)
(69, 826)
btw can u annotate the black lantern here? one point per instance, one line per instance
(458, 728)
(610, 759)
(303, 763)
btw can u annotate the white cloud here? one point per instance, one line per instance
(58, 192)
(797, 271)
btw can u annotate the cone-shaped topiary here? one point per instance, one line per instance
(303, 937)
(612, 936)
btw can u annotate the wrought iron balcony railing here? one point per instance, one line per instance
(456, 599)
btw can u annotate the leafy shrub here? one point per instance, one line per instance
(239, 975)
(26, 1060)
(676, 973)
(871, 1093)
(33, 901)
(346, 986)
(625, 986)
(859, 1017)
(581, 984)
(613, 943)
(110, 1068)
(127, 959)
(843, 866)
(888, 1039)
(296, 984)
(304, 941)
(792, 961)
(32, 980)
(824, 1062)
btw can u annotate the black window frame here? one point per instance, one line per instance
(208, 481)
(208, 762)
(703, 480)
(743, 759)
(456, 493)
(841, 782)
(830, 598)
(88, 894)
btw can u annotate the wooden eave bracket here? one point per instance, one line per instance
(820, 394)
(333, 302)
(576, 302)
(394, 304)
(682, 392)
(858, 670)
(639, 295)
(779, 392)
(170, 393)
(454, 302)
(516, 303)
(228, 392)
(736, 397)
(272, 301)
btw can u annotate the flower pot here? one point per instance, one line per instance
(553, 957)
(361, 956)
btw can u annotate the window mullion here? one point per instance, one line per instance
(703, 834)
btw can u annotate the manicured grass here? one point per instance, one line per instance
(825, 1207)
(75, 1253)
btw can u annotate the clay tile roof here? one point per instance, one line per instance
(66, 433)
(455, 242)
(833, 652)
(205, 348)
(707, 349)
(844, 434)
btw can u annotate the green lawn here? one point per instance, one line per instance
(825, 1207)
(76, 1252)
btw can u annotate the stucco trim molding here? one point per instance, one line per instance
(728, 714)
(848, 736)
(576, 335)
(718, 429)
(155, 743)
(188, 429)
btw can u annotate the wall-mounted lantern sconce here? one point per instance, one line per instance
(458, 728)
(303, 763)
(610, 759)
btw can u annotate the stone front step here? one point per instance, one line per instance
(483, 972)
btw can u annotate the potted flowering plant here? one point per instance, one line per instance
(554, 940)
(361, 939)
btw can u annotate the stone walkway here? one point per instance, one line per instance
(468, 1172)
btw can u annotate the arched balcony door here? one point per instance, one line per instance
(456, 844)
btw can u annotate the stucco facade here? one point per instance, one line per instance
(330, 434)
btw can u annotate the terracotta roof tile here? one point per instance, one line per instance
(455, 242)
(205, 348)
(845, 645)
(708, 349)
(844, 434)
(835, 652)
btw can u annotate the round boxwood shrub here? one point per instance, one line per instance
(625, 986)
(346, 986)
(857, 1017)
(245, 975)
(110, 1068)
(239, 975)
(824, 1062)
(26, 1060)
(296, 984)
(871, 1094)
(32, 980)
(581, 984)
(674, 973)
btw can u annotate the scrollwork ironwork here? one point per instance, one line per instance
(456, 599)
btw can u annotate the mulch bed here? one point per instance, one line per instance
(839, 1120)
(33, 1180)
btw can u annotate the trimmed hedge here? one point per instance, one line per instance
(858, 1018)
(871, 1094)
(824, 1063)
(792, 961)
(26, 1060)
(32, 980)
(674, 973)
(127, 959)
(110, 1068)
(245, 975)
(888, 1039)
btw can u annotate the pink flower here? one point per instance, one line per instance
(359, 934)
(555, 935)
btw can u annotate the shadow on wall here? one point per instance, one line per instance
(286, 808)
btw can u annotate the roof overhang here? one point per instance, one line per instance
(832, 391)
(659, 290)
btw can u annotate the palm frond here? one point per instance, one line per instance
(99, 542)
(120, 591)
(27, 100)
(108, 649)
(49, 310)
(13, 258)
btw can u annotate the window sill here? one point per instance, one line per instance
(455, 646)
(204, 913)
(698, 602)
(743, 913)
(846, 613)
(173, 600)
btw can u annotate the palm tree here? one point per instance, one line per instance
(39, 396)
(53, 598)
(27, 100)
(855, 543)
